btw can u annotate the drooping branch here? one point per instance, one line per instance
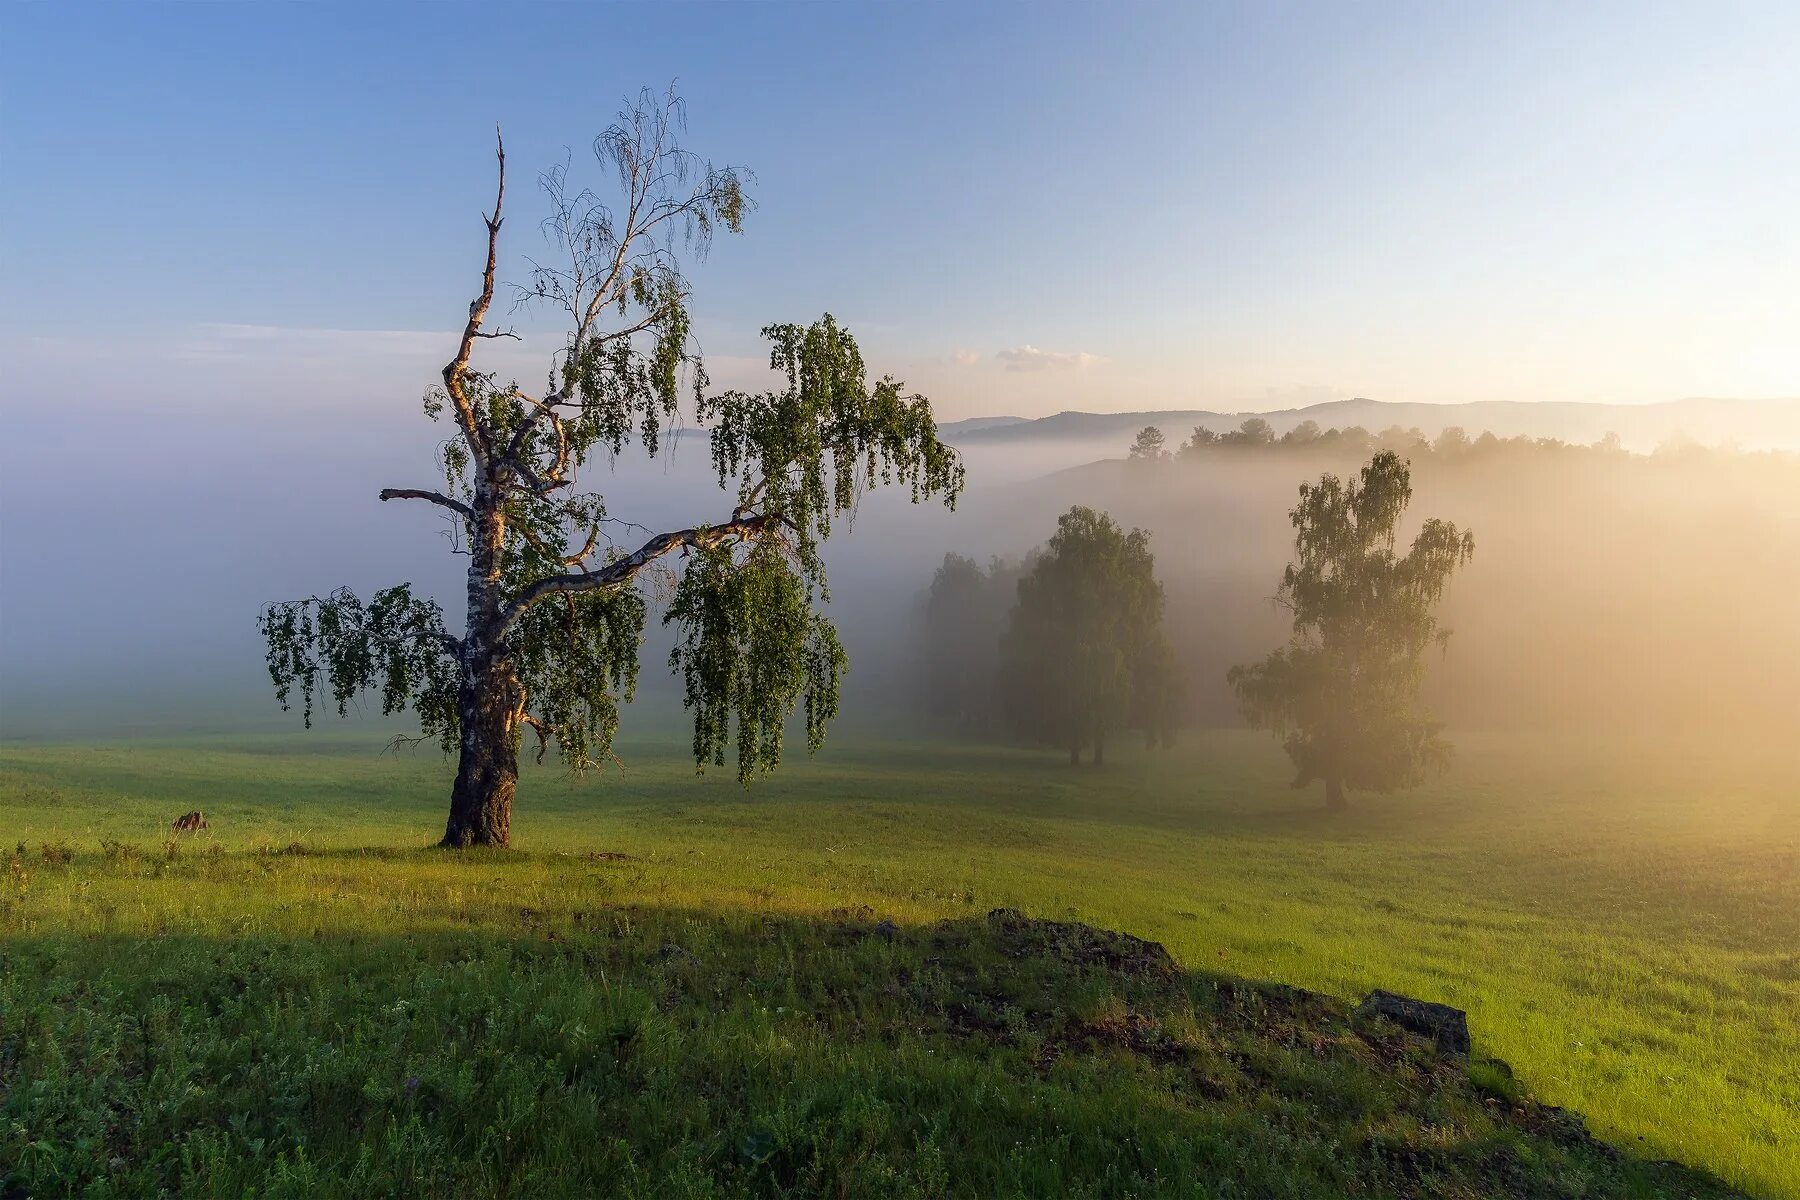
(437, 498)
(338, 647)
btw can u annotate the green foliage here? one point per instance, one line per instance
(751, 646)
(555, 616)
(752, 643)
(339, 646)
(577, 659)
(1084, 649)
(809, 450)
(782, 1058)
(1344, 693)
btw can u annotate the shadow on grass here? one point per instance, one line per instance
(665, 1051)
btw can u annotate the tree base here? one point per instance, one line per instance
(481, 810)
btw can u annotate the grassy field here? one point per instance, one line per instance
(693, 963)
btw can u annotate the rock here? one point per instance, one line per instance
(1446, 1026)
(887, 930)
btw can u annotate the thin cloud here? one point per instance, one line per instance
(966, 358)
(225, 340)
(1031, 358)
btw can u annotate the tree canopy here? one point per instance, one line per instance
(1343, 694)
(555, 609)
(1084, 650)
(1148, 446)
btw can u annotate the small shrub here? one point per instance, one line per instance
(57, 854)
(118, 854)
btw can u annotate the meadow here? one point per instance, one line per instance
(1620, 920)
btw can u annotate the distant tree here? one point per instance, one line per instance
(1679, 444)
(1402, 441)
(1303, 434)
(1354, 438)
(962, 618)
(1610, 443)
(1343, 694)
(1201, 440)
(1255, 431)
(1149, 445)
(554, 612)
(1084, 650)
(1453, 439)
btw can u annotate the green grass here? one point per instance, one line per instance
(714, 1016)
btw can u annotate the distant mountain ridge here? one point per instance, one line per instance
(1753, 424)
(976, 424)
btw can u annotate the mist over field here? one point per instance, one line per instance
(1609, 591)
(1594, 598)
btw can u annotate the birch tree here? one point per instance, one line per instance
(554, 603)
(1343, 694)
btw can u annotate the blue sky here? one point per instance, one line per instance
(1020, 208)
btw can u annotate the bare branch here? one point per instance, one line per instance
(403, 741)
(455, 369)
(437, 498)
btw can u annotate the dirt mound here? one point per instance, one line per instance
(1079, 945)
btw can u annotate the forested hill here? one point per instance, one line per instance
(1753, 424)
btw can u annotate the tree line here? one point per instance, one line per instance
(1255, 433)
(1066, 644)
